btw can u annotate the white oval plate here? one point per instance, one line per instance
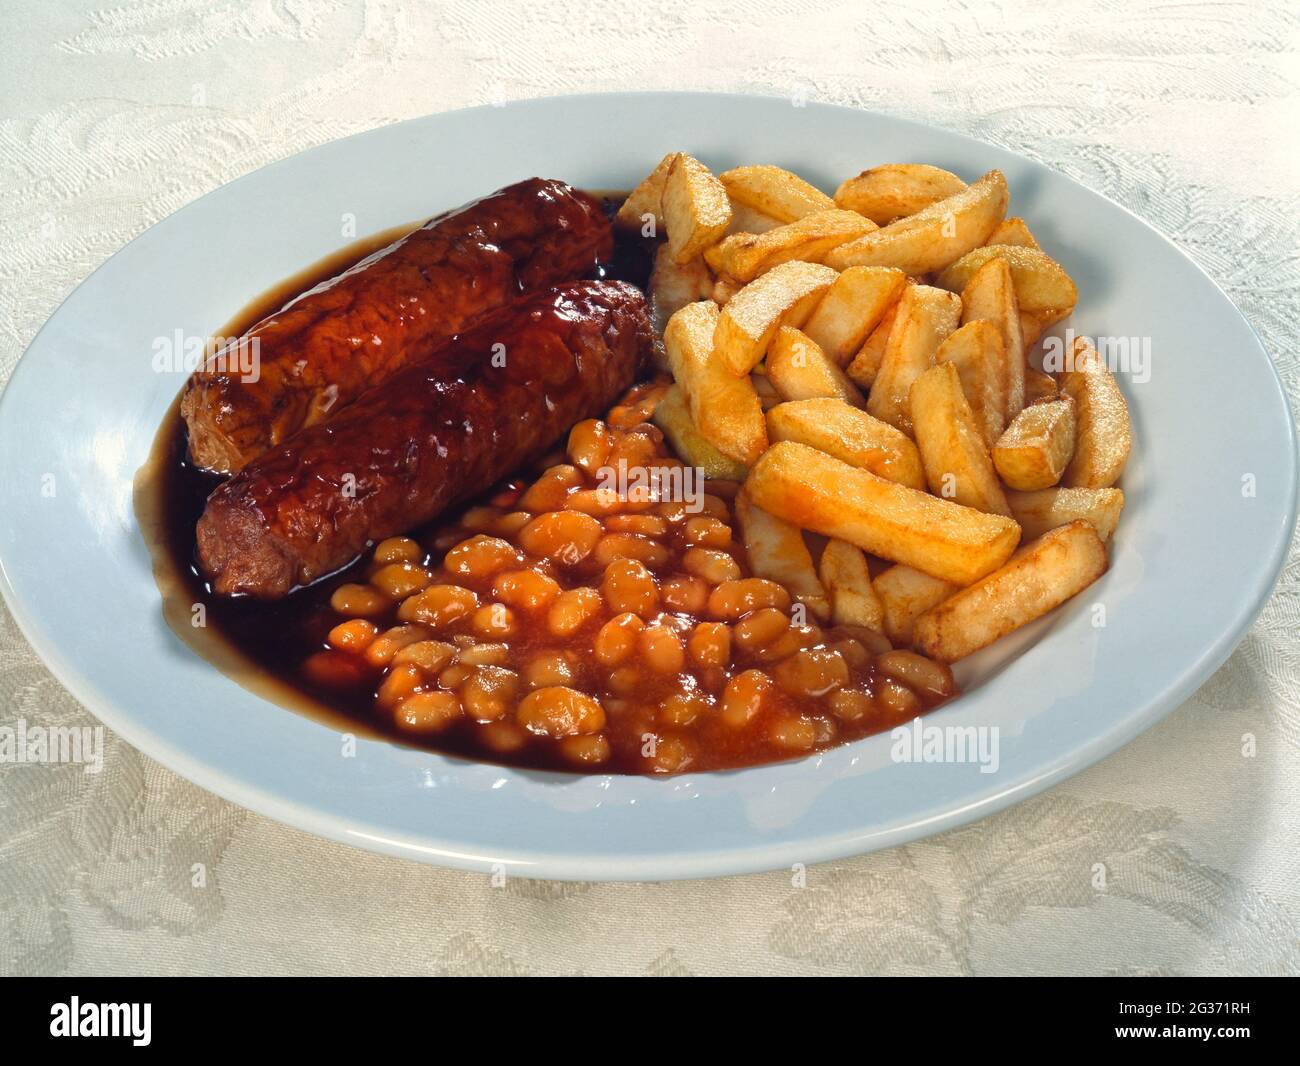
(1192, 563)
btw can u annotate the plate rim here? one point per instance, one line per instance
(742, 859)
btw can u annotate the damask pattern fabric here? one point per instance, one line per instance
(1177, 855)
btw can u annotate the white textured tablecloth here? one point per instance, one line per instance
(114, 115)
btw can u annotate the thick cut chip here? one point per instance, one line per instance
(850, 435)
(866, 364)
(673, 416)
(1041, 282)
(784, 296)
(1037, 446)
(1038, 512)
(1013, 231)
(724, 407)
(906, 594)
(991, 295)
(817, 492)
(696, 210)
(747, 255)
(852, 307)
(979, 353)
(896, 190)
(1040, 578)
(644, 204)
(1103, 435)
(774, 192)
(799, 370)
(844, 572)
(673, 285)
(777, 552)
(956, 459)
(935, 236)
(924, 319)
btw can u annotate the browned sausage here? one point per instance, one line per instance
(435, 434)
(326, 347)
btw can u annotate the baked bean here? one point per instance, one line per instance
(624, 416)
(429, 655)
(495, 621)
(759, 629)
(484, 655)
(455, 675)
(399, 580)
(792, 732)
(706, 532)
(625, 680)
(398, 683)
(875, 643)
(617, 639)
(438, 605)
(669, 753)
(547, 493)
(591, 749)
(359, 601)
(647, 525)
(551, 668)
(558, 711)
(686, 594)
(661, 649)
(897, 700)
(355, 635)
(854, 653)
(918, 673)
(589, 445)
(502, 737)
(566, 536)
(481, 519)
(672, 511)
(447, 540)
(715, 506)
(812, 672)
(628, 586)
(481, 557)
(709, 644)
(731, 599)
(507, 497)
(714, 566)
(851, 705)
(510, 524)
(640, 448)
(630, 546)
(529, 590)
(683, 708)
(398, 550)
(427, 712)
(793, 640)
(743, 697)
(381, 650)
(723, 489)
(336, 669)
(571, 610)
(489, 692)
(605, 501)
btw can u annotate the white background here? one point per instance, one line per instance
(113, 116)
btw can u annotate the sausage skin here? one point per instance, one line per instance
(435, 434)
(324, 348)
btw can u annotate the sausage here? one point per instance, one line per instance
(327, 346)
(436, 433)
